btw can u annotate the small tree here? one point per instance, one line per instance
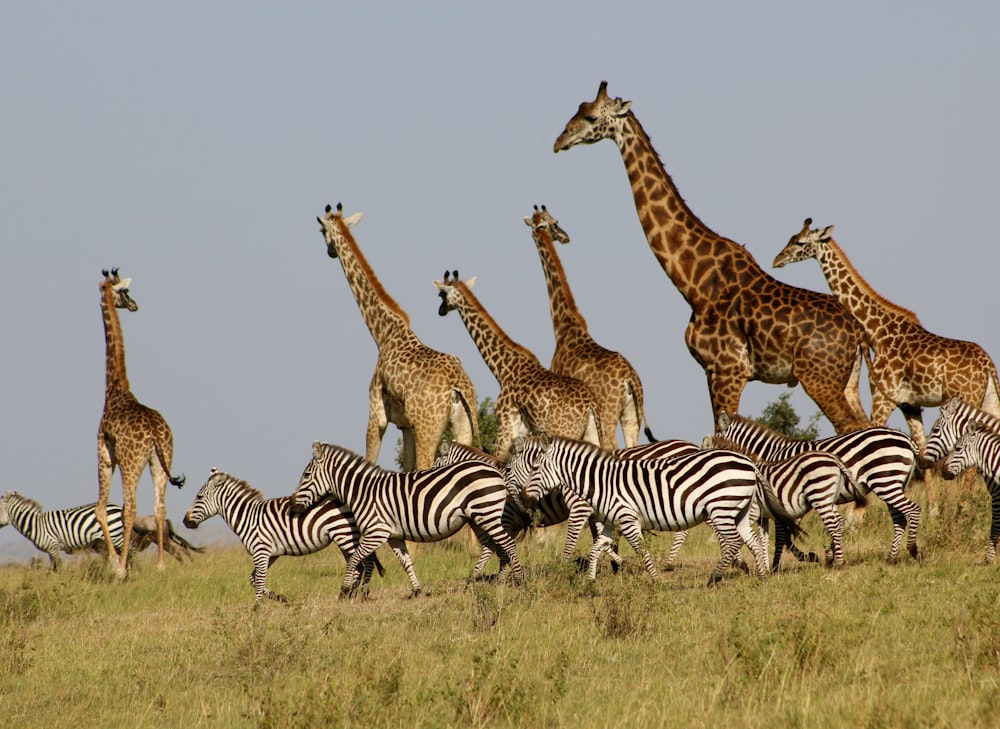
(487, 430)
(781, 416)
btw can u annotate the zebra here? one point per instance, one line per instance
(62, 530)
(955, 415)
(807, 480)
(420, 506)
(882, 461)
(979, 446)
(269, 529)
(717, 487)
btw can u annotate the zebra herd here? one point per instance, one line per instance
(737, 480)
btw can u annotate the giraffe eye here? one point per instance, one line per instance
(591, 119)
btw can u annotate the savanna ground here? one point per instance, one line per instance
(915, 644)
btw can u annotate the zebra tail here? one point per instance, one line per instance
(177, 480)
(778, 511)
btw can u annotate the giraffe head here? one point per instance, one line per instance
(804, 244)
(450, 291)
(119, 288)
(602, 118)
(541, 219)
(334, 227)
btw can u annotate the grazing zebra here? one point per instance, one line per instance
(807, 480)
(882, 461)
(717, 487)
(979, 446)
(269, 528)
(421, 506)
(955, 415)
(63, 530)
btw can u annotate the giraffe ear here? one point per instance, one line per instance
(528, 221)
(353, 220)
(471, 282)
(123, 284)
(623, 107)
(827, 233)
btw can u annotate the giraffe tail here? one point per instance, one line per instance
(177, 480)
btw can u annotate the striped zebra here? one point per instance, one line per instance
(717, 487)
(420, 506)
(62, 530)
(269, 529)
(882, 461)
(979, 446)
(955, 415)
(808, 480)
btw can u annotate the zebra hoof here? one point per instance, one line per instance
(812, 557)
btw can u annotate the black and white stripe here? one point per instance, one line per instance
(809, 480)
(979, 446)
(882, 461)
(714, 486)
(269, 529)
(954, 418)
(420, 506)
(61, 530)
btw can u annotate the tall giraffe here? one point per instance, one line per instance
(911, 367)
(745, 325)
(532, 400)
(609, 375)
(130, 435)
(418, 388)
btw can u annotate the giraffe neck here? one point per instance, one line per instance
(116, 378)
(388, 323)
(855, 294)
(566, 318)
(691, 254)
(501, 353)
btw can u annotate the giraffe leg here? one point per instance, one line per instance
(130, 480)
(377, 419)
(105, 471)
(160, 508)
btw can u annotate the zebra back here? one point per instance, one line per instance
(955, 415)
(657, 450)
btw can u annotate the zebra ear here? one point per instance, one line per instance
(708, 442)
(722, 421)
(517, 446)
(317, 449)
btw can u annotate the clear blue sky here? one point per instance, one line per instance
(193, 145)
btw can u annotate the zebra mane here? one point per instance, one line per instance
(449, 447)
(721, 441)
(14, 496)
(753, 425)
(957, 405)
(590, 448)
(340, 453)
(241, 486)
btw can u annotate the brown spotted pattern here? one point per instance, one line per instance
(417, 388)
(609, 375)
(911, 367)
(745, 325)
(130, 436)
(532, 400)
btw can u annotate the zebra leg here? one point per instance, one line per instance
(632, 531)
(675, 547)
(749, 536)
(579, 514)
(905, 516)
(730, 542)
(370, 541)
(834, 524)
(403, 555)
(991, 549)
(495, 537)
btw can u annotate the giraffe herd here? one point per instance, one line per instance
(745, 325)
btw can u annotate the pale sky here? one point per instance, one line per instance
(193, 144)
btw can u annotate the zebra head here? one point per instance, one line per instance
(207, 503)
(542, 456)
(316, 481)
(119, 288)
(4, 511)
(524, 454)
(944, 433)
(966, 452)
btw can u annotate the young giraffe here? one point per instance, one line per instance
(745, 325)
(911, 367)
(609, 375)
(532, 400)
(418, 388)
(130, 434)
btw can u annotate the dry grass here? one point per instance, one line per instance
(872, 645)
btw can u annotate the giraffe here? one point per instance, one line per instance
(609, 375)
(745, 325)
(418, 388)
(130, 434)
(911, 367)
(532, 400)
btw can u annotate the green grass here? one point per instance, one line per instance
(873, 645)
